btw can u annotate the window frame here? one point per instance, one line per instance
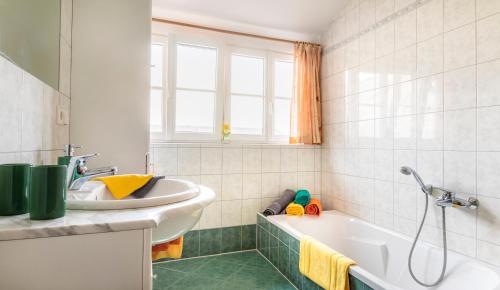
(227, 101)
(225, 48)
(172, 135)
(164, 41)
(273, 58)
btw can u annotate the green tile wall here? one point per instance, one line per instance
(220, 240)
(282, 250)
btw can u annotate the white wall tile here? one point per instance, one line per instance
(305, 159)
(384, 165)
(460, 171)
(165, 160)
(488, 166)
(488, 83)
(460, 130)
(384, 133)
(383, 8)
(271, 160)
(366, 14)
(460, 47)
(405, 98)
(488, 129)
(460, 88)
(211, 160)
(406, 30)
(458, 13)
(405, 131)
(288, 181)
(384, 102)
(430, 91)
(429, 19)
(430, 56)
(405, 64)
(488, 220)
(270, 184)
(232, 186)
(367, 46)
(252, 185)
(231, 213)
(249, 209)
(486, 8)
(31, 107)
(232, 160)
(211, 217)
(252, 160)
(288, 160)
(384, 71)
(366, 105)
(488, 43)
(430, 131)
(189, 161)
(213, 182)
(384, 39)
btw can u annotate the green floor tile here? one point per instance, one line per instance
(241, 270)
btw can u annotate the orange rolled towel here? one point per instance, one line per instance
(314, 207)
(172, 249)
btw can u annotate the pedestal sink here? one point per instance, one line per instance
(178, 204)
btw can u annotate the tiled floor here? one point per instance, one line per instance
(243, 270)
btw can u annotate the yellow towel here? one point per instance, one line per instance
(294, 209)
(323, 265)
(172, 249)
(122, 186)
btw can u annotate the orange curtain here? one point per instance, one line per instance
(305, 118)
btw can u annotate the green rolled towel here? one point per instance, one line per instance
(302, 197)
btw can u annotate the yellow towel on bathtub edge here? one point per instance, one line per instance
(295, 209)
(324, 266)
(122, 186)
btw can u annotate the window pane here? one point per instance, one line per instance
(246, 115)
(281, 117)
(194, 111)
(247, 75)
(156, 104)
(283, 78)
(196, 67)
(157, 65)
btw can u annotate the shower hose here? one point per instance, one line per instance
(443, 270)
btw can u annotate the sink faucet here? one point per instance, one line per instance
(78, 173)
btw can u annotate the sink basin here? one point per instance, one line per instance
(94, 195)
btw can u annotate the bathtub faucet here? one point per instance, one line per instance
(444, 197)
(448, 198)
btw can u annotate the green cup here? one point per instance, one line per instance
(47, 194)
(14, 184)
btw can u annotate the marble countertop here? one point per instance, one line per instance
(79, 222)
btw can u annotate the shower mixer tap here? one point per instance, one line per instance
(444, 198)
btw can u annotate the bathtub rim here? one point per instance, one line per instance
(357, 271)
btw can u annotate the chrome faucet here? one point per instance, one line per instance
(444, 197)
(78, 173)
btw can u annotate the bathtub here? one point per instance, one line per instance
(381, 255)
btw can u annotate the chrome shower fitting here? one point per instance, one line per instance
(444, 198)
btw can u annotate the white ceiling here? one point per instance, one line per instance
(300, 17)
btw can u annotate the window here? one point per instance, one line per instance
(212, 83)
(283, 85)
(195, 95)
(158, 90)
(247, 95)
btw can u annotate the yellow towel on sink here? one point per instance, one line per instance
(122, 186)
(324, 266)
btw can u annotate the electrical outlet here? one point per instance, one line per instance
(62, 116)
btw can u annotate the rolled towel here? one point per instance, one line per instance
(279, 205)
(295, 209)
(314, 207)
(302, 197)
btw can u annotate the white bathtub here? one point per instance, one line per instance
(382, 255)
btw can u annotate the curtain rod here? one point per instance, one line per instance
(228, 31)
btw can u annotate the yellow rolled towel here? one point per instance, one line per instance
(295, 209)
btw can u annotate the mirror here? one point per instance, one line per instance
(29, 36)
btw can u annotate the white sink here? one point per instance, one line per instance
(95, 196)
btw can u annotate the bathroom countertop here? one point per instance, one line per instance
(78, 222)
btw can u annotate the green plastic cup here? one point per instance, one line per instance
(47, 194)
(14, 185)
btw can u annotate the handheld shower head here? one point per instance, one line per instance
(407, 171)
